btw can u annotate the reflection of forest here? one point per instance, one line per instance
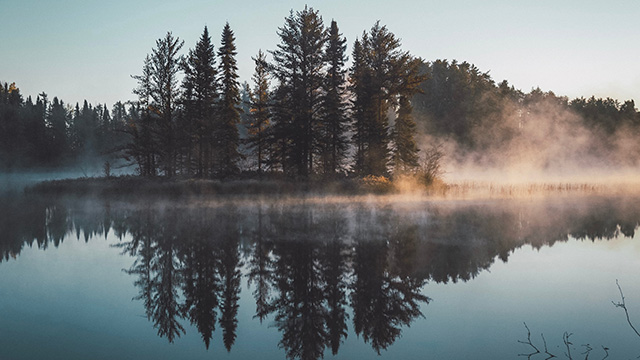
(307, 264)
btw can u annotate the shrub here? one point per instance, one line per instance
(376, 184)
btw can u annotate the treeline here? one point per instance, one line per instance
(306, 113)
(457, 101)
(49, 133)
(311, 120)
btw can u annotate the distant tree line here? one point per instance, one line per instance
(458, 101)
(49, 133)
(304, 114)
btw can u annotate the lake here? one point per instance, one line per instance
(307, 278)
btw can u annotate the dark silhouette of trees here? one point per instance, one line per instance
(405, 150)
(230, 277)
(201, 279)
(226, 133)
(13, 136)
(199, 101)
(58, 120)
(385, 296)
(314, 119)
(308, 265)
(165, 93)
(143, 146)
(380, 73)
(299, 308)
(333, 139)
(51, 134)
(155, 140)
(335, 271)
(261, 267)
(259, 127)
(298, 64)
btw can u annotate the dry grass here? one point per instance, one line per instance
(410, 185)
(471, 189)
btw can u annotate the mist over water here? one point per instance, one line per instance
(495, 133)
(378, 274)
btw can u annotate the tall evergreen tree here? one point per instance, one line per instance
(379, 75)
(405, 152)
(12, 134)
(200, 95)
(58, 125)
(165, 92)
(226, 136)
(361, 104)
(143, 146)
(298, 66)
(259, 110)
(333, 138)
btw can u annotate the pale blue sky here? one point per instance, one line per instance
(83, 49)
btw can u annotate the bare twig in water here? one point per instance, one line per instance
(546, 350)
(623, 305)
(567, 342)
(606, 351)
(587, 351)
(528, 342)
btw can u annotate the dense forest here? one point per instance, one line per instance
(311, 110)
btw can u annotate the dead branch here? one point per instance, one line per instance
(606, 351)
(567, 342)
(623, 305)
(546, 350)
(588, 349)
(528, 342)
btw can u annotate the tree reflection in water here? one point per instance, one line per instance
(308, 265)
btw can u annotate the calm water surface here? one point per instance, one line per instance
(340, 278)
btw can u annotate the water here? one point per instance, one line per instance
(305, 278)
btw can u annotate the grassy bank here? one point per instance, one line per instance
(134, 186)
(127, 186)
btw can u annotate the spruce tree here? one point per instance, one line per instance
(298, 69)
(405, 157)
(165, 93)
(226, 134)
(333, 139)
(12, 134)
(199, 100)
(142, 128)
(259, 110)
(58, 126)
(380, 73)
(361, 107)
(405, 149)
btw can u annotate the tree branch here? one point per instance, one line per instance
(622, 305)
(528, 342)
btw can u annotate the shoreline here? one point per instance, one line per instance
(406, 189)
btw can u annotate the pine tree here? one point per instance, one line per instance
(142, 127)
(165, 93)
(259, 110)
(58, 125)
(333, 139)
(298, 66)
(12, 133)
(405, 158)
(405, 149)
(200, 95)
(361, 107)
(226, 134)
(380, 73)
